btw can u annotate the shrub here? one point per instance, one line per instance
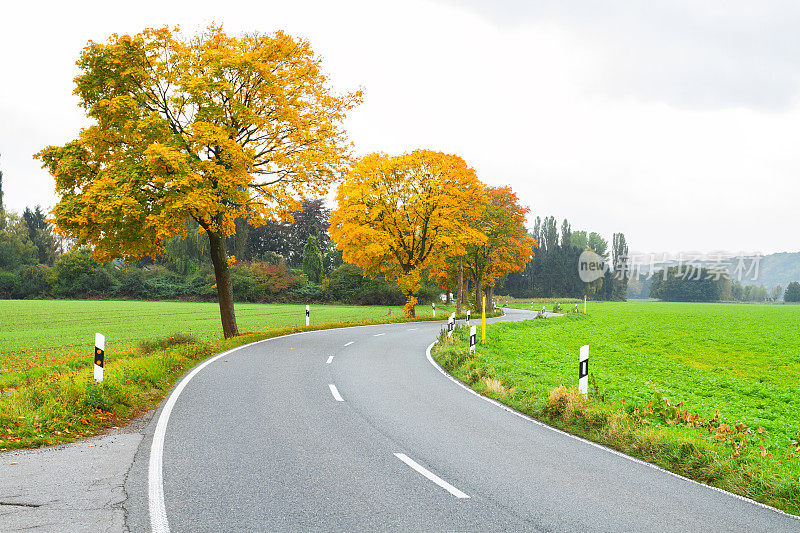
(72, 271)
(34, 281)
(164, 284)
(311, 292)
(131, 282)
(9, 284)
(245, 287)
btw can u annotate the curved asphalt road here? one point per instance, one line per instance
(257, 441)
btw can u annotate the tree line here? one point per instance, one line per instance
(692, 283)
(301, 265)
(553, 271)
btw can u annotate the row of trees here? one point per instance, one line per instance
(27, 240)
(553, 270)
(224, 137)
(294, 268)
(699, 284)
(234, 131)
(426, 212)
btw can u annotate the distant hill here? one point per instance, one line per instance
(781, 268)
(773, 269)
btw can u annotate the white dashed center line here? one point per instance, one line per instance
(430, 475)
(335, 392)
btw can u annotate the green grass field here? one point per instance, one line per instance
(740, 361)
(42, 337)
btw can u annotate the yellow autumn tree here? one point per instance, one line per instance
(211, 127)
(398, 215)
(507, 247)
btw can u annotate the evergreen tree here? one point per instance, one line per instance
(41, 235)
(792, 293)
(312, 260)
(553, 271)
(621, 272)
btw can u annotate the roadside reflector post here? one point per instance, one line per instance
(467, 317)
(472, 335)
(542, 310)
(99, 356)
(433, 308)
(583, 371)
(308, 316)
(584, 305)
(576, 308)
(451, 324)
(483, 321)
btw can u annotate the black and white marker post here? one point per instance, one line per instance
(467, 317)
(99, 356)
(583, 371)
(473, 332)
(451, 324)
(308, 316)
(433, 308)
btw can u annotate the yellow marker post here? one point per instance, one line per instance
(483, 321)
(584, 305)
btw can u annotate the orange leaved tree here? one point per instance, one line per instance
(399, 215)
(507, 247)
(212, 128)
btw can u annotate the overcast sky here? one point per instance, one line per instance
(676, 123)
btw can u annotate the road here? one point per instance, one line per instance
(356, 430)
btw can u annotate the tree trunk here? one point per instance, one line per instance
(490, 299)
(460, 296)
(224, 287)
(408, 309)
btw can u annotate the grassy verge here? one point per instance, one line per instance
(695, 389)
(64, 406)
(43, 338)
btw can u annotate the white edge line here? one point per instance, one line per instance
(330, 360)
(335, 392)
(596, 445)
(349, 343)
(431, 476)
(379, 334)
(155, 475)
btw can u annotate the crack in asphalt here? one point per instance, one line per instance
(12, 504)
